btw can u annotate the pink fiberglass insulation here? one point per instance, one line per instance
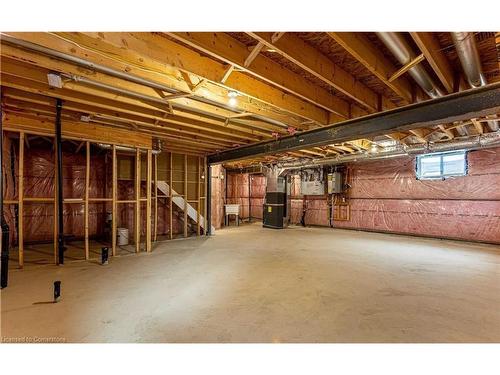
(395, 179)
(250, 198)
(385, 196)
(218, 194)
(460, 219)
(39, 172)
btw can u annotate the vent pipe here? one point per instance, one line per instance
(400, 48)
(477, 142)
(465, 44)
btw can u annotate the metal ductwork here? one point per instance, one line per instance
(400, 48)
(465, 44)
(477, 142)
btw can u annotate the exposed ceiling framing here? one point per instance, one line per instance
(206, 93)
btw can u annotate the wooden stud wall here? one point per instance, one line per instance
(20, 198)
(184, 173)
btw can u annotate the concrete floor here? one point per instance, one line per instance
(250, 284)
(43, 253)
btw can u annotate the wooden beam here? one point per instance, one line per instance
(159, 59)
(421, 134)
(137, 200)
(229, 50)
(445, 130)
(314, 62)
(170, 196)
(417, 60)
(73, 130)
(184, 107)
(86, 204)
(114, 222)
(144, 47)
(372, 59)
(205, 190)
(72, 114)
(434, 54)
(478, 126)
(185, 196)
(198, 195)
(148, 201)
(20, 197)
(98, 102)
(155, 196)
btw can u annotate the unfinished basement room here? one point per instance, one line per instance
(250, 187)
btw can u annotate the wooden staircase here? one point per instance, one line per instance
(181, 203)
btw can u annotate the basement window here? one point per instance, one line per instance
(440, 166)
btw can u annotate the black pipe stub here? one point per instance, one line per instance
(57, 291)
(104, 255)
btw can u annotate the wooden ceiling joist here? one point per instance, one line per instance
(183, 106)
(147, 48)
(140, 65)
(137, 125)
(431, 49)
(216, 94)
(372, 59)
(33, 80)
(229, 50)
(314, 62)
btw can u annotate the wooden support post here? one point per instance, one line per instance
(148, 202)
(170, 201)
(20, 198)
(205, 174)
(185, 197)
(114, 221)
(137, 200)
(86, 205)
(155, 196)
(198, 188)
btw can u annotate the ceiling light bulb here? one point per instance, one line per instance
(374, 148)
(232, 94)
(233, 102)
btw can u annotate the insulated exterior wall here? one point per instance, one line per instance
(257, 195)
(250, 198)
(39, 174)
(237, 192)
(218, 195)
(385, 196)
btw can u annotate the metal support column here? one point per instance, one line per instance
(60, 199)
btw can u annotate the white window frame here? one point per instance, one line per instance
(442, 175)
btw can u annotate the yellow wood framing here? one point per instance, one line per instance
(20, 198)
(86, 205)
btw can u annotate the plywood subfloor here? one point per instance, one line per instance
(249, 284)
